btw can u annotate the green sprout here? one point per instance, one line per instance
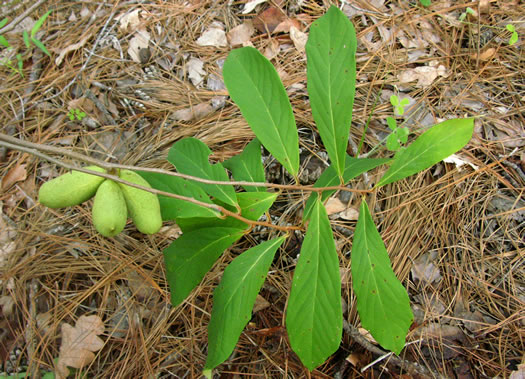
(514, 36)
(468, 10)
(28, 39)
(76, 114)
(399, 105)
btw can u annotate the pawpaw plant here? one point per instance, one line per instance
(314, 319)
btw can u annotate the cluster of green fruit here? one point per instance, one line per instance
(113, 201)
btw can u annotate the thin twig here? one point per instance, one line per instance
(410, 367)
(115, 178)
(109, 166)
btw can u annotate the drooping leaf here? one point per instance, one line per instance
(314, 315)
(382, 301)
(331, 71)
(192, 255)
(354, 167)
(174, 208)
(436, 144)
(234, 298)
(253, 205)
(248, 166)
(254, 85)
(190, 157)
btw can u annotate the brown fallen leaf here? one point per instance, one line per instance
(79, 344)
(241, 33)
(268, 20)
(15, 174)
(485, 55)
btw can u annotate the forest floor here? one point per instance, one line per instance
(455, 233)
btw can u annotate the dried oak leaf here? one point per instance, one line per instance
(79, 344)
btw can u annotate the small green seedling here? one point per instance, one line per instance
(398, 136)
(514, 34)
(425, 3)
(76, 114)
(468, 11)
(399, 105)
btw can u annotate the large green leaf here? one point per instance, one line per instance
(192, 255)
(431, 147)
(314, 316)
(330, 53)
(253, 205)
(248, 166)
(382, 301)
(174, 208)
(190, 157)
(234, 298)
(254, 85)
(353, 168)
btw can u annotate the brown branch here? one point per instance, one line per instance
(115, 178)
(108, 166)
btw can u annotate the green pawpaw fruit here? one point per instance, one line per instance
(109, 209)
(143, 207)
(70, 189)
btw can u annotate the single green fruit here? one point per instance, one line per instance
(70, 189)
(109, 209)
(143, 207)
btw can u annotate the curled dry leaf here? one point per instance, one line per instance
(139, 41)
(250, 5)
(79, 344)
(241, 33)
(196, 71)
(15, 174)
(424, 75)
(214, 36)
(299, 38)
(71, 48)
(268, 20)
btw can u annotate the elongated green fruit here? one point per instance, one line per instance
(70, 189)
(109, 209)
(143, 207)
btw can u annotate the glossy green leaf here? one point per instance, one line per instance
(234, 298)
(174, 208)
(39, 24)
(331, 71)
(253, 205)
(248, 166)
(192, 255)
(354, 167)
(382, 301)
(254, 85)
(425, 3)
(314, 316)
(3, 22)
(190, 157)
(431, 147)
